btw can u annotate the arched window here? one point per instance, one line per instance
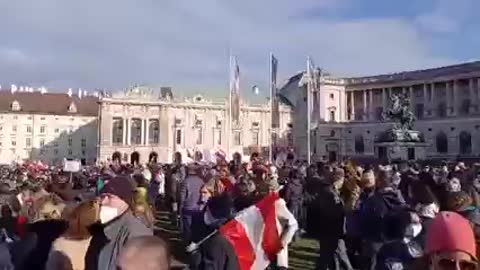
(465, 143)
(441, 142)
(359, 144)
(117, 131)
(154, 132)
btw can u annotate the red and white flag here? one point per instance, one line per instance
(255, 234)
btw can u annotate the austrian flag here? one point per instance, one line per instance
(256, 233)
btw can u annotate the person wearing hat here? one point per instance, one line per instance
(215, 252)
(450, 244)
(118, 225)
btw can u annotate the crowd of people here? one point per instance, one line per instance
(371, 217)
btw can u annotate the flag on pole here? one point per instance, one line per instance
(254, 234)
(273, 92)
(311, 78)
(234, 90)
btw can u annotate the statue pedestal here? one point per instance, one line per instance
(397, 144)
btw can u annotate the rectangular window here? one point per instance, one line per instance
(237, 138)
(29, 129)
(42, 142)
(332, 116)
(255, 139)
(84, 153)
(42, 118)
(70, 152)
(178, 136)
(14, 128)
(28, 142)
(1, 128)
(14, 143)
(199, 138)
(84, 142)
(217, 140)
(419, 110)
(42, 130)
(70, 141)
(57, 130)
(55, 151)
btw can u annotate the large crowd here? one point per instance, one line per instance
(403, 215)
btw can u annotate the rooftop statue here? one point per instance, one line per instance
(400, 112)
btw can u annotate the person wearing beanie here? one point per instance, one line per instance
(450, 244)
(118, 224)
(215, 252)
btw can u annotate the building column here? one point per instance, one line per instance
(454, 97)
(384, 99)
(365, 112)
(352, 105)
(412, 97)
(147, 131)
(129, 131)
(370, 105)
(124, 131)
(432, 99)
(142, 137)
(426, 102)
(471, 92)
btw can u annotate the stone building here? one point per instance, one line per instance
(47, 127)
(445, 101)
(138, 124)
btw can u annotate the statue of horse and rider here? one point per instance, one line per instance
(400, 112)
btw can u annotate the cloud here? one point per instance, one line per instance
(447, 16)
(185, 43)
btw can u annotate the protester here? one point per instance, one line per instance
(145, 253)
(118, 225)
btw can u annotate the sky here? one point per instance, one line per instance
(186, 44)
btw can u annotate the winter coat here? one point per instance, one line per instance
(68, 254)
(46, 232)
(108, 240)
(373, 211)
(190, 192)
(326, 215)
(217, 254)
(294, 191)
(397, 255)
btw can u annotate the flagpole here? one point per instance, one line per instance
(229, 122)
(309, 109)
(270, 147)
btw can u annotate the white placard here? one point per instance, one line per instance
(71, 166)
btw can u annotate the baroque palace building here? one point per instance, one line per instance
(140, 124)
(349, 111)
(48, 127)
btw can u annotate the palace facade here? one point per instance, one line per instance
(142, 123)
(348, 117)
(47, 127)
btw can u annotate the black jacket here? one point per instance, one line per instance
(217, 254)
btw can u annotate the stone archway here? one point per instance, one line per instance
(117, 157)
(153, 157)
(135, 158)
(465, 143)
